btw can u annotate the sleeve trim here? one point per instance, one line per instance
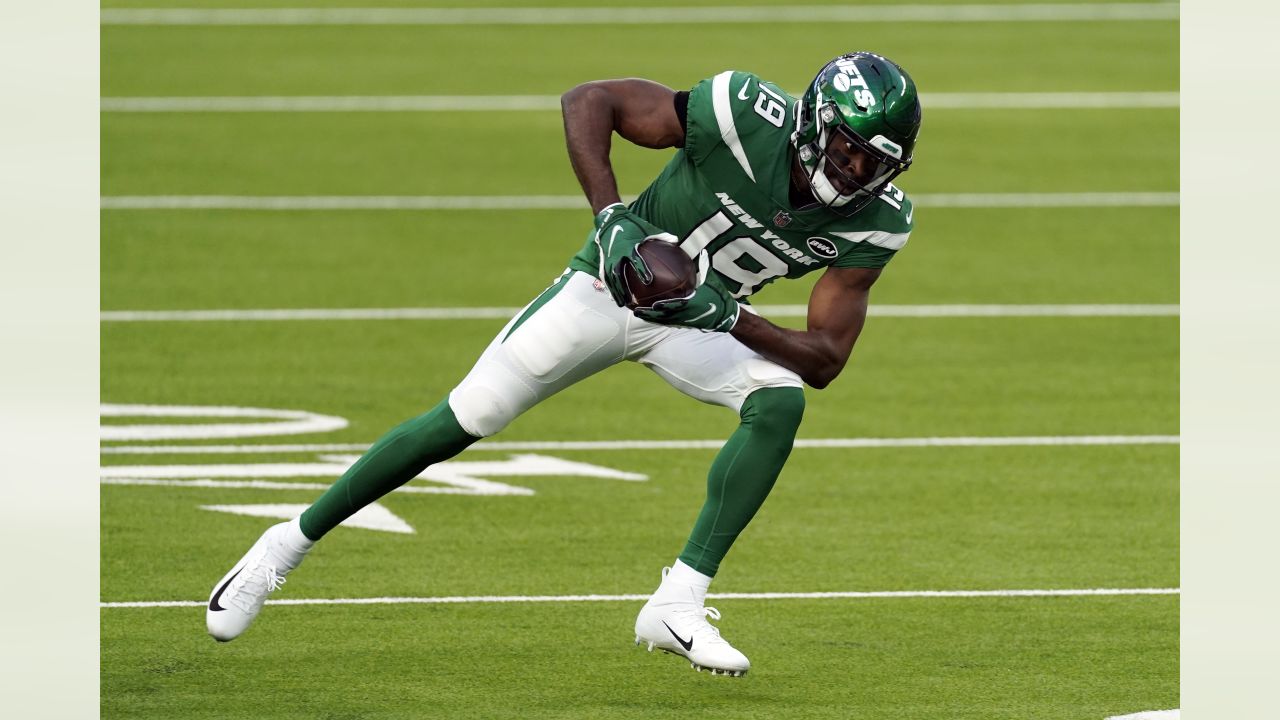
(682, 112)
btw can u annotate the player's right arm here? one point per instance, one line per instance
(641, 111)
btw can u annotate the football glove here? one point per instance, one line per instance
(710, 308)
(618, 232)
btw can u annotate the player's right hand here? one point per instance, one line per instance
(710, 308)
(618, 232)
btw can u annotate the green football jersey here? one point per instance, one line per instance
(727, 191)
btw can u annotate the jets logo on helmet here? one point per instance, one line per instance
(860, 102)
(851, 79)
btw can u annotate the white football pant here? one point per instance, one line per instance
(573, 330)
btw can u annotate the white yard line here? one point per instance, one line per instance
(1048, 100)
(936, 311)
(1048, 12)
(344, 202)
(577, 202)
(502, 313)
(1044, 200)
(1021, 441)
(343, 103)
(209, 483)
(509, 103)
(872, 595)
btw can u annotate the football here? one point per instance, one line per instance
(675, 275)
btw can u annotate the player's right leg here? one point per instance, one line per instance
(569, 332)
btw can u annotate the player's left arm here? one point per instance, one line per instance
(837, 312)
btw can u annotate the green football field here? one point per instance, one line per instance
(980, 519)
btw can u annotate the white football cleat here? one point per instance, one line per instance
(681, 628)
(238, 597)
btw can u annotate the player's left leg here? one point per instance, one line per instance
(569, 332)
(716, 368)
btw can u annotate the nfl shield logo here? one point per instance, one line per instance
(782, 219)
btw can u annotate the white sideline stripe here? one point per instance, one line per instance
(577, 202)
(502, 313)
(1025, 441)
(1055, 12)
(882, 594)
(488, 103)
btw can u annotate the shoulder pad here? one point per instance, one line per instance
(886, 222)
(732, 108)
(895, 208)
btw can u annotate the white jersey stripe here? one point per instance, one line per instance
(890, 241)
(720, 94)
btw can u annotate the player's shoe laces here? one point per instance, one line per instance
(680, 627)
(238, 597)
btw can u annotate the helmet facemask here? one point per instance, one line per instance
(826, 159)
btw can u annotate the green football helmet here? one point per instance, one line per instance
(869, 102)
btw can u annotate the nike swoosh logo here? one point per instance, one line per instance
(686, 645)
(213, 601)
(612, 237)
(742, 94)
(710, 309)
(910, 212)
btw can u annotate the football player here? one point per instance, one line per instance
(762, 186)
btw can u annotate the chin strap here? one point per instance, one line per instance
(823, 190)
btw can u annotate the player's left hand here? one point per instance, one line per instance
(709, 308)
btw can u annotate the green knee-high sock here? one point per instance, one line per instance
(743, 474)
(394, 460)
